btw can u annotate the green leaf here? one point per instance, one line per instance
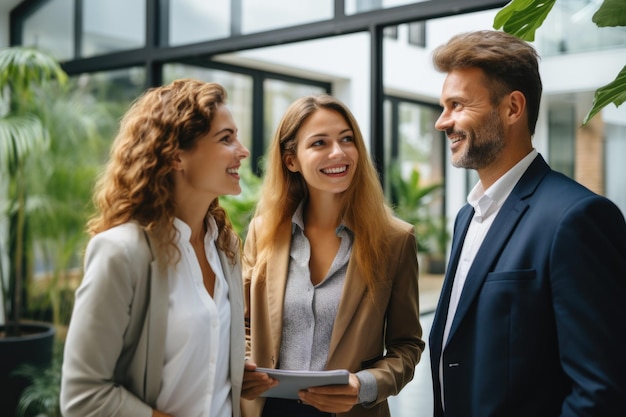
(614, 92)
(507, 11)
(21, 67)
(523, 17)
(19, 136)
(610, 13)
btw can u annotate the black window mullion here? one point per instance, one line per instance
(258, 117)
(156, 35)
(377, 146)
(78, 28)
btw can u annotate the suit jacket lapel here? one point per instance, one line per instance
(500, 232)
(352, 294)
(233, 280)
(276, 279)
(439, 321)
(495, 240)
(157, 324)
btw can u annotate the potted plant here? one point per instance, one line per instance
(22, 135)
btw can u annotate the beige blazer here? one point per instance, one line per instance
(382, 335)
(114, 350)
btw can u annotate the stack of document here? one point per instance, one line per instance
(290, 382)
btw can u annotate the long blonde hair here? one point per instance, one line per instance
(137, 184)
(364, 210)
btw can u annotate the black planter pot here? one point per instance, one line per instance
(33, 346)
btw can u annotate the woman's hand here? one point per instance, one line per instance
(333, 398)
(255, 383)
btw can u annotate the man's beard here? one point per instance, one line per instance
(483, 144)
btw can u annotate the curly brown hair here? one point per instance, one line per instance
(137, 184)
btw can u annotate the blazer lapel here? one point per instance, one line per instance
(441, 313)
(233, 280)
(276, 279)
(496, 238)
(157, 323)
(500, 232)
(352, 294)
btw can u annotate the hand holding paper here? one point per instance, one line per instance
(290, 382)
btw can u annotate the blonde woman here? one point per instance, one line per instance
(330, 275)
(157, 328)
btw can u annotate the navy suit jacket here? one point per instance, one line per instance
(536, 328)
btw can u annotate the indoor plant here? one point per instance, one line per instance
(413, 202)
(22, 135)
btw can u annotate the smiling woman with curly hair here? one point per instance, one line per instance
(157, 328)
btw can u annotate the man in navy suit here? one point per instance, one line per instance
(534, 298)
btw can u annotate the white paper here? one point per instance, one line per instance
(290, 382)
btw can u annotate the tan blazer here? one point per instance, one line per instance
(114, 350)
(382, 335)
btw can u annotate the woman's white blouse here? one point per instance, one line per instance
(196, 380)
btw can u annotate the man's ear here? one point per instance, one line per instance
(291, 163)
(515, 107)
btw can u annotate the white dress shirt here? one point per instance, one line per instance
(486, 205)
(196, 380)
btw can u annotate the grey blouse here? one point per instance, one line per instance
(310, 310)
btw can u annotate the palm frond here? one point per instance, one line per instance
(22, 67)
(19, 136)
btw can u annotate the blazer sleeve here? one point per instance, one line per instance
(96, 333)
(403, 332)
(588, 283)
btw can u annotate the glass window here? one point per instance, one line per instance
(278, 96)
(114, 89)
(561, 124)
(413, 142)
(264, 15)
(420, 143)
(51, 29)
(192, 21)
(572, 30)
(238, 87)
(615, 133)
(360, 6)
(114, 25)
(417, 33)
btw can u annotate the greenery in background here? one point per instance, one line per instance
(523, 17)
(23, 136)
(413, 202)
(50, 146)
(80, 131)
(41, 397)
(240, 208)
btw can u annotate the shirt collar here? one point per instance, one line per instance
(297, 221)
(184, 231)
(486, 202)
